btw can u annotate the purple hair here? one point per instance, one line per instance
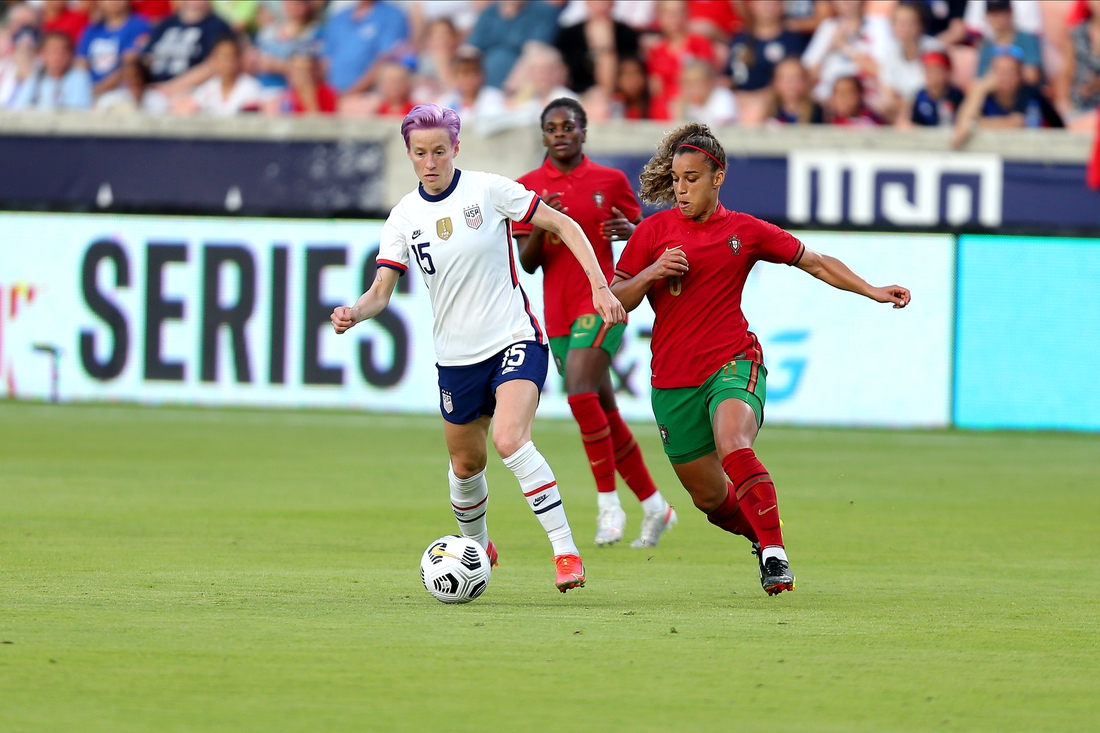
(428, 117)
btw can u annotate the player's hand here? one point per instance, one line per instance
(672, 263)
(895, 294)
(342, 318)
(608, 306)
(618, 229)
(553, 200)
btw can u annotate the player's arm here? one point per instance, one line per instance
(572, 235)
(834, 272)
(630, 291)
(530, 244)
(369, 304)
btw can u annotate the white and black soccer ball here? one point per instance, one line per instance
(455, 569)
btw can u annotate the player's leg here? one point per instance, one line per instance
(736, 424)
(712, 493)
(465, 403)
(584, 367)
(517, 397)
(658, 515)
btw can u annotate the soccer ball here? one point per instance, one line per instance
(455, 569)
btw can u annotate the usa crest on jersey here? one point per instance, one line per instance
(448, 401)
(473, 216)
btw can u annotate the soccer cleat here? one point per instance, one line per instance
(654, 525)
(776, 576)
(758, 551)
(491, 551)
(610, 523)
(570, 572)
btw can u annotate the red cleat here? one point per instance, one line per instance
(570, 572)
(491, 551)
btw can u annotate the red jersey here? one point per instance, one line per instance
(327, 100)
(588, 192)
(699, 325)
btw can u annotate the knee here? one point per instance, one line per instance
(507, 442)
(729, 443)
(465, 466)
(708, 500)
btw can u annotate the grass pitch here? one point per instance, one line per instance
(187, 569)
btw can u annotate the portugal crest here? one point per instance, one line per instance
(598, 198)
(473, 216)
(444, 228)
(735, 244)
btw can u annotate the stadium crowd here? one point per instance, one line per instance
(967, 64)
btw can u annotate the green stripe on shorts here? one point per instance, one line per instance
(685, 416)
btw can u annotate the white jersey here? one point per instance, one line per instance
(461, 240)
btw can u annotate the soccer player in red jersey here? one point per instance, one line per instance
(601, 200)
(708, 369)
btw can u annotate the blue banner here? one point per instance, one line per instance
(1028, 333)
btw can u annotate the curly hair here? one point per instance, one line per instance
(656, 178)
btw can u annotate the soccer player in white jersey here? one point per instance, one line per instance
(491, 352)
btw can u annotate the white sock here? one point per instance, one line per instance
(774, 551)
(654, 504)
(537, 482)
(470, 502)
(608, 500)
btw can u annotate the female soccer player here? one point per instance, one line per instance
(491, 351)
(601, 201)
(708, 368)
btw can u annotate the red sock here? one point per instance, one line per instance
(755, 495)
(596, 435)
(628, 458)
(730, 517)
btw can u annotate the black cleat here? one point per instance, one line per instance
(776, 576)
(758, 551)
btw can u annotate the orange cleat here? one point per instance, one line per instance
(570, 572)
(491, 551)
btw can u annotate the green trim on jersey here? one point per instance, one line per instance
(685, 416)
(587, 332)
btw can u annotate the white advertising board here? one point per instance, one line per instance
(235, 312)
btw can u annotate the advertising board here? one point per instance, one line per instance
(235, 312)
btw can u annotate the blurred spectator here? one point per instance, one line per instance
(153, 11)
(718, 21)
(1027, 16)
(1003, 33)
(239, 14)
(755, 53)
(307, 93)
(118, 34)
(846, 106)
(702, 99)
(592, 49)
(1001, 100)
(804, 16)
(901, 70)
(1093, 171)
(631, 99)
(791, 102)
(539, 76)
(295, 33)
(229, 91)
(133, 93)
(355, 40)
(59, 17)
(944, 20)
(850, 44)
(178, 47)
(19, 40)
(1082, 71)
(469, 96)
(504, 28)
(937, 104)
(393, 95)
(435, 63)
(667, 58)
(56, 84)
(421, 14)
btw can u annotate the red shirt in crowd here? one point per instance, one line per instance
(68, 21)
(327, 99)
(721, 14)
(394, 110)
(1094, 164)
(153, 11)
(588, 192)
(699, 325)
(666, 62)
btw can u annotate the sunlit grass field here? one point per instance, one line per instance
(170, 569)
